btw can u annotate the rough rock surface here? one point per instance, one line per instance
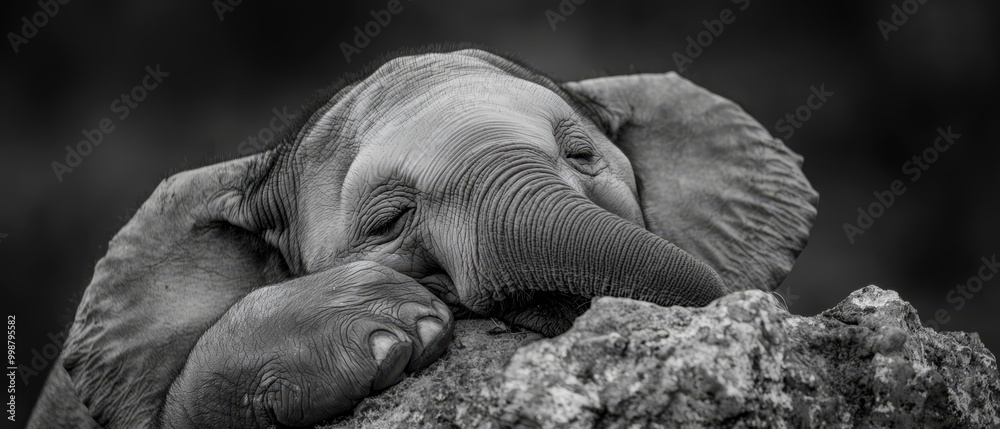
(458, 385)
(739, 362)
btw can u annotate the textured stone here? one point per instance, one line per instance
(738, 362)
(453, 389)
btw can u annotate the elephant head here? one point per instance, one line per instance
(482, 177)
(492, 181)
(463, 173)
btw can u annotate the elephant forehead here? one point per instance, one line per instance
(438, 131)
(434, 98)
(432, 113)
(464, 112)
(408, 82)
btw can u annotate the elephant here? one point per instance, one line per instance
(280, 289)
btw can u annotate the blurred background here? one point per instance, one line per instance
(228, 75)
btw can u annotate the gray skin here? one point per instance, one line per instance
(282, 288)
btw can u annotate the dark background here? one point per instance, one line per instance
(890, 97)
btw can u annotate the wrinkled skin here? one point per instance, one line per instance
(281, 289)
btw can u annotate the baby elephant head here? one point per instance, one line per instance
(490, 183)
(284, 287)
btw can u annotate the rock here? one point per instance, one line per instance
(740, 361)
(447, 391)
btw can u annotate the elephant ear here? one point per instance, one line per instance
(187, 255)
(711, 179)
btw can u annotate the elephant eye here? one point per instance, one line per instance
(387, 222)
(583, 158)
(386, 212)
(578, 149)
(585, 155)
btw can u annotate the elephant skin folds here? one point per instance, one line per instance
(739, 361)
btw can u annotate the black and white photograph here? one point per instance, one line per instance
(487, 214)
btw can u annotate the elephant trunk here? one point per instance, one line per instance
(551, 238)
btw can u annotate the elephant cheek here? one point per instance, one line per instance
(608, 191)
(615, 196)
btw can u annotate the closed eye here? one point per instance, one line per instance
(387, 221)
(585, 156)
(581, 156)
(576, 144)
